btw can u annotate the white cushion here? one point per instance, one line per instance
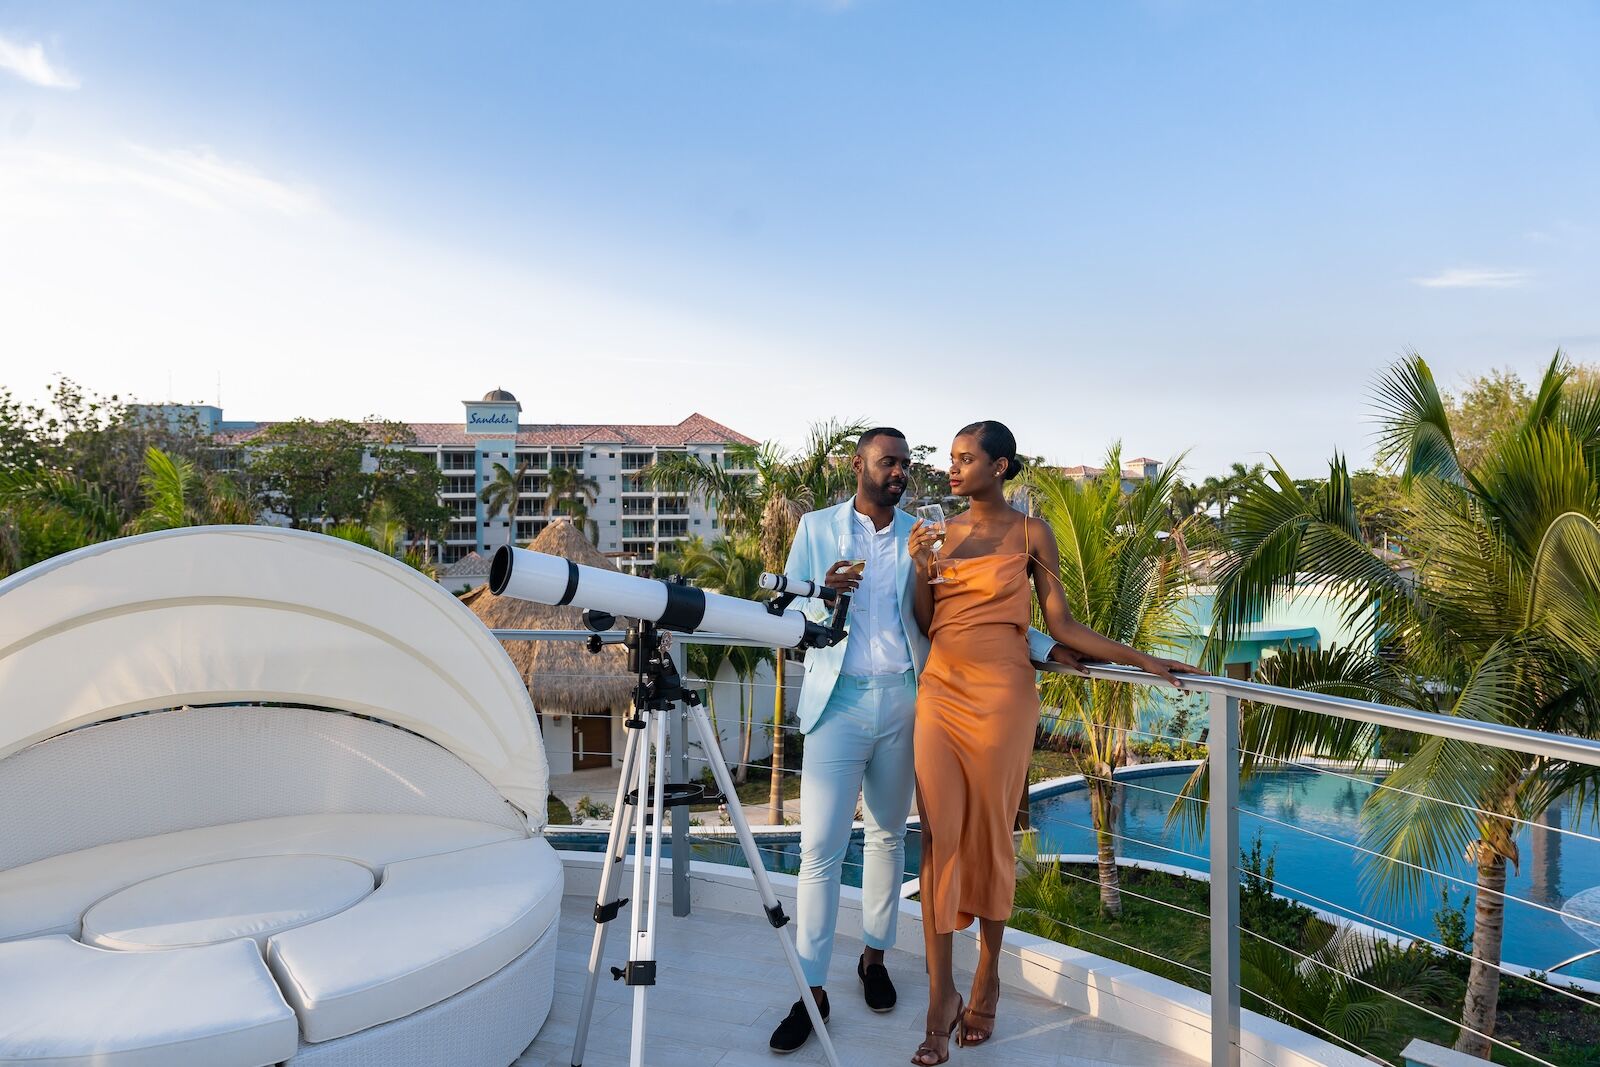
(434, 927)
(252, 898)
(50, 896)
(181, 770)
(69, 1005)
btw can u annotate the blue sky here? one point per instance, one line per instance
(1185, 225)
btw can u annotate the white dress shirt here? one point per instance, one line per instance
(877, 642)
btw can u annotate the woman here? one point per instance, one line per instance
(977, 712)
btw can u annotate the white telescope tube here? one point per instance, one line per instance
(547, 579)
(800, 587)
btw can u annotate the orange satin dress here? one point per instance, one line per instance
(977, 713)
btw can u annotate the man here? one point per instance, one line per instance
(857, 710)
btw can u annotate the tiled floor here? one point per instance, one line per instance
(723, 985)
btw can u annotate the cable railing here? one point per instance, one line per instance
(1326, 828)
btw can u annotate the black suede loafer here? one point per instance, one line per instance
(795, 1030)
(876, 985)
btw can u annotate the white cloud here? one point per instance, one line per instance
(203, 173)
(29, 63)
(129, 182)
(1473, 278)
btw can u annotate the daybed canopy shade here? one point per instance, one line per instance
(562, 676)
(233, 614)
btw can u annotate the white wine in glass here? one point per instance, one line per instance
(933, 515)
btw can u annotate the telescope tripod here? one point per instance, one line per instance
(645, 790)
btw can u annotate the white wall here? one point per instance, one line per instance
(557, 733)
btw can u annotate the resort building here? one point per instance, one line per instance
(1133, 471)
(629, 520)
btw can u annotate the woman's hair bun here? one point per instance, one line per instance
(997, 442)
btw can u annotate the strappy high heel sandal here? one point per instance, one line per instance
(957, 1028)
(973, 1037)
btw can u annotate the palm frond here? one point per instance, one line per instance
(1414, 432)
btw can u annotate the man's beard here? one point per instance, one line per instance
(885, 494)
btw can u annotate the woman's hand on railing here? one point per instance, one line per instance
(1166, 669)
(1067, 658)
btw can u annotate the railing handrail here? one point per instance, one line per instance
(1496, 735)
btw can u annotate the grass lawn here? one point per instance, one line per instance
(1546, 1024)
(757, 790)
(556, 813)
(1047, 764)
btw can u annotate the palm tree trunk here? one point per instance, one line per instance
(1102, 810)
(747, 721)
(1483, 980)
(775, 795)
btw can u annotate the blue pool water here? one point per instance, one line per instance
(1555, 867)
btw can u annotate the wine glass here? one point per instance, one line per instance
(853, 553)
(933, 515)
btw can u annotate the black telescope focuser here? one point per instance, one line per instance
(791, 589)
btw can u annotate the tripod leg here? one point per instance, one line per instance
(645, 942)
(752, 855)
(642, 819)
(604, 910)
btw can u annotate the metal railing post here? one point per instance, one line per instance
(682, 894)
(680, 814)
(1224, 819)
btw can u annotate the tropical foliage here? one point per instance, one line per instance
(88, 468)
(732, 566)
(1499, 624)
(1123, 577)
(571, 494)
(767, 504)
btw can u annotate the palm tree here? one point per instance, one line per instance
(1230, 487)
(384, 532)
(786, 485)
(1499, 624)
(501, 490)
(732, 566)
(705, 662)
(176, 493)
(1123, 578)
(571, 493)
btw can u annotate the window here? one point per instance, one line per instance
(669, 528)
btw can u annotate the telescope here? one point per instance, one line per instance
(554, 580)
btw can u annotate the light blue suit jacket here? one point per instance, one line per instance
(815, 549)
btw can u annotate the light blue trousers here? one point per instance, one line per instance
(860, 746)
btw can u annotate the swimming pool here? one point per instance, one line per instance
(1555, 869)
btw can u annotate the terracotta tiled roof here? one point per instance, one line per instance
(695, 430)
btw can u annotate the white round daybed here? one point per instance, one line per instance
(265, 797)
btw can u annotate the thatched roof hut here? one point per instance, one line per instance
(563, 677)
